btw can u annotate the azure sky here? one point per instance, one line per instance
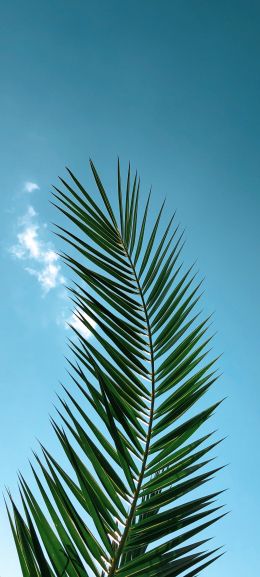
(174, 87)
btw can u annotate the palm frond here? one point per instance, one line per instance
(125, 505)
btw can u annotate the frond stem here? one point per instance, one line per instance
(119, 551)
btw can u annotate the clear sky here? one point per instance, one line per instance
(173, 86)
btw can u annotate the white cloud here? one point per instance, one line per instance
(41, 260)
(48, 277)
(27, 218)
(30, 186)
(28, 243)
(74, 320)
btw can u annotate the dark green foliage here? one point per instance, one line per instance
(128, 508)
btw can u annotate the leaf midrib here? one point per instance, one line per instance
(120, 549)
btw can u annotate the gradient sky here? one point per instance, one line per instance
(173, 86)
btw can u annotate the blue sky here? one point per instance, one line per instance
(174, 87)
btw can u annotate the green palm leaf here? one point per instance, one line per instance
(125, 507)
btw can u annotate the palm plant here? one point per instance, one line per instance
(124, 508)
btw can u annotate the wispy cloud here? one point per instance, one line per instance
(40, 259)
(73, 320)
(30, 186)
